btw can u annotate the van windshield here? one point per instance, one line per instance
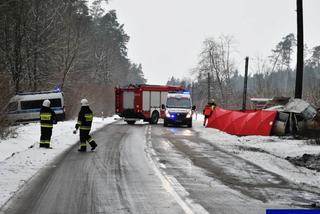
(173, 102)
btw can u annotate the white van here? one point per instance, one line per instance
(179, 109)
(26, 106)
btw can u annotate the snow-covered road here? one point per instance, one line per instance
(21, 158)
(222, 181)
(152, 169)
(114, 179)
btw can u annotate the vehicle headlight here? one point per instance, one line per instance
(167, 113)
(189, 114)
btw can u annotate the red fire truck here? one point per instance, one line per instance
(136, 102)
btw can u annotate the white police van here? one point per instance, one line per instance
(178, 109)
(24, 107)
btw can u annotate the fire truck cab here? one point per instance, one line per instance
(142, 102)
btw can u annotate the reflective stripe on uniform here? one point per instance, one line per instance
(83, 146)
(85, 127)
(45, 116)
(47, 125)
(79, 122)
(44, 142)
(90, 140)
(88, 117)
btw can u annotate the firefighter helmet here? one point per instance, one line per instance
(46, 103)
(84, 102)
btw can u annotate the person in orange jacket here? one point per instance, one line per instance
(208, 109)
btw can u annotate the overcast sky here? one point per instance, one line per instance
(166, 36)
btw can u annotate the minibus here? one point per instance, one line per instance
(24, 107)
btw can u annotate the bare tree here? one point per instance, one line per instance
(74, 25)
(215, 58)
(13, 36)
(282, 55)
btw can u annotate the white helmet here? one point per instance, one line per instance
(84, 102)
(46, 103)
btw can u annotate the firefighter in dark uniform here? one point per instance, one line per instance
(47, 119)
(84, 123)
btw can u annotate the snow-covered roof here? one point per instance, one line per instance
(40, 96)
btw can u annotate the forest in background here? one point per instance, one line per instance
(82, 49)
(269, 77)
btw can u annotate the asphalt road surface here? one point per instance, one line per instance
(152, 169)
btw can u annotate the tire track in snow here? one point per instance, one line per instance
(170, 183)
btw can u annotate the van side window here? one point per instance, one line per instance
(12, 107)
(36, 104)
(32, 104)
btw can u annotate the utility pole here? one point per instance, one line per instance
(244, 101)
(299, 71)
(209, 96)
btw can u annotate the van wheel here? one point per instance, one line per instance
(190, 124)
(165, 124)
(131, 122)
(154, 117)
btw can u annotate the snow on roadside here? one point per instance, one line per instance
(269, 152)
(21, 157)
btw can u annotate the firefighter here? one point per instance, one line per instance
(47, 119)
(84, 123)
(208, 109)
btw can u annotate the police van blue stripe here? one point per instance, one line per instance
(35, 110)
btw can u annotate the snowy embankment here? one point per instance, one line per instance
(21, 157)
(268, 152)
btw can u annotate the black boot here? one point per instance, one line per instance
(83, 148)
(45, 145)
(93, 145)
